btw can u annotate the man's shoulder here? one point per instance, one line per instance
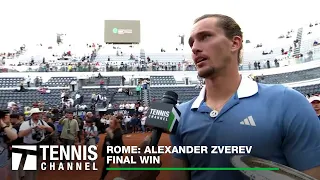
(280, 91)
(268, 88)
(184, 107)
(25, 123)
(185, 110)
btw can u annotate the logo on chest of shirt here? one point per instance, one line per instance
(249, 121)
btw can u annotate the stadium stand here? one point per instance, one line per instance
(10, 82)
(295, 76)
(185, 93)
(296, 51)
(31, 96)
(163, 80)
(60, 81)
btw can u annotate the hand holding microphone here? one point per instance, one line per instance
(163, 117)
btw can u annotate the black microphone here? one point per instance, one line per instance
(163, 116)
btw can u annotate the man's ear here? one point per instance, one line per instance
(236, 43)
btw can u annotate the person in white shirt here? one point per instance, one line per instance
(121, 106)
(143, 123)
(28, 79)
(62, 96)
(132, 106)
(77, 96)
(127, 120)
(110, 106)
(105, 121)
(98, 97)
(140, 109)
(93, 98)
(90, 133)
(33, 133)
(127, 106)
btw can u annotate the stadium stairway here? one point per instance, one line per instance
(299, 38)
(145, 96)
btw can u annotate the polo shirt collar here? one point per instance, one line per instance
(247, 88)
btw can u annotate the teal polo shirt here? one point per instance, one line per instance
(278, 122)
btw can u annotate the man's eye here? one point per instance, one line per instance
(204, 37)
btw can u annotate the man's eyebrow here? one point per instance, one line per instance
(201, 33)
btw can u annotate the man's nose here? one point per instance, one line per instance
(196, 48)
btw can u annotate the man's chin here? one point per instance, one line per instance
(206, 73)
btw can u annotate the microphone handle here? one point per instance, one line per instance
(156, 134)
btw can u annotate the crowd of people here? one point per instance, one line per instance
(61, 126)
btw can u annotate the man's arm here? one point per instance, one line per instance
(314, 172)
(62, 120)
(25, 129)
(180, 175)
(46, 127)
(179, 160)
(11, 133)
(301, 130)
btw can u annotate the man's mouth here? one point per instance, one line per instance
(201, 60)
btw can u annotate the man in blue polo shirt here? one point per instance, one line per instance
(278, 122)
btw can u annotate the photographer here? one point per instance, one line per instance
(70, 129)
(33, 133)
(6, 134)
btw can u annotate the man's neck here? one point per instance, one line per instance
(222, 87)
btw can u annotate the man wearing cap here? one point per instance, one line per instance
(315, 101)
(33, 133)
(70, 129)
(6, 134)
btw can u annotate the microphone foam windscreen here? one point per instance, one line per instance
(172, 94)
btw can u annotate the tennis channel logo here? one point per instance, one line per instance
(76, 158)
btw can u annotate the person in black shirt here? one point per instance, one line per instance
(16, 123)
(50, 138)
(113, 138)
(81, 125)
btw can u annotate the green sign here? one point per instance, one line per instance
(115, 30)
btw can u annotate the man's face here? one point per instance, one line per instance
(14, 120)
(69, 115)
(316, 105)
(35, 116)
(211, 49)
(6, 119)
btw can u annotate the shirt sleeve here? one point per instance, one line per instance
(176, 139)
(301, 143)
(45, 124)
(52, 126)
(95, 130)
(24, 126)
(77, 126)
(14, 130)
